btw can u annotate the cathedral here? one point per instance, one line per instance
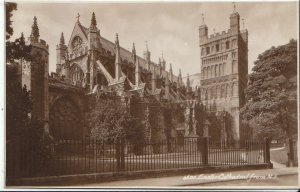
(88, 64)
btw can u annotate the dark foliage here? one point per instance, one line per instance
(271, 108)
(9, 8)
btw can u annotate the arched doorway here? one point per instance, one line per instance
(65, 120)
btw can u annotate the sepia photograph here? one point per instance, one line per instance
(150, 95)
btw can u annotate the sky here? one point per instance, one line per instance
(171, 28)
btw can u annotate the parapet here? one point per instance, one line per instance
(41, 44)
(217, 36)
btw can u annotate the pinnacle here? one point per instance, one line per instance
(117, 40)
(93, 20)
(133, 49)
(62, 39)
(35, 29)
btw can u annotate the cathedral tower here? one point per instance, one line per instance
(224, 69)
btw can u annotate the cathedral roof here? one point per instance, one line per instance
(125, 54)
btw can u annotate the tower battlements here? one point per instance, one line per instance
(219, 36)
(41, 44)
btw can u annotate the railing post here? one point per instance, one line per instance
(117, 146)
(291, 158)
(122, 154)
(205, 151)
(267, 152)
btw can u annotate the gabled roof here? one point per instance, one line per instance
(110, 46)
(78, 30)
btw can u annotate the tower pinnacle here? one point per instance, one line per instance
(133, 53)
(62, 39)
(147, 46)
(203, 23)
(35, 29)
(234, 7)
(117, 40)
(93, 20)
(188, 81)
(78, 15)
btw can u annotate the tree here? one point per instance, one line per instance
(271, 108)
(109, 119)
(16, 51)
(18, 101)
(9, 8)
(24, 135)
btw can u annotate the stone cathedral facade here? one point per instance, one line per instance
(88, 63)
(224, 69)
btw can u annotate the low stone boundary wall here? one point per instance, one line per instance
(69, 180)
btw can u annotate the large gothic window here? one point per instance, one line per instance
(77, 74)
(76, 43)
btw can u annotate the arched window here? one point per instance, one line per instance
(223, 68)
(216, 71)
(203, 73)
(218, 92)
(227, 44)
(234, 67)
(234, 89)
(76, 43)
(76, 75)
(222, 91)
(203, 51)
(206, 94)
(233, 43)
(220, 70)
(208, 72)
(212, 92)
(207, 50)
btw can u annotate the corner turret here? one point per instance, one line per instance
(203, 31)
(235, 21)
(61, 50)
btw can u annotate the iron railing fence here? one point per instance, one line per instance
(24, 159)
